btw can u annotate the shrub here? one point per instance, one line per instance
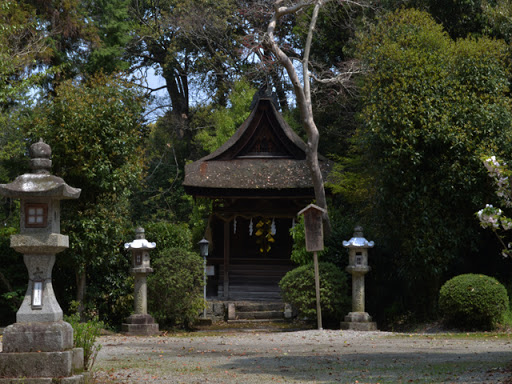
(473, 302)
(85, 335)
(298, 289)
(176, 287)
(169, 235)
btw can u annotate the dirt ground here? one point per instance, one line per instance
(328, 356)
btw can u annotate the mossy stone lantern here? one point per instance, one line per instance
(358, 266)
(140, 322)
(40, 336)
(40, 239)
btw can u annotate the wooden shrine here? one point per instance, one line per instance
(258, 180)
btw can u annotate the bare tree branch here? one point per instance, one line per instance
(302, 92)
(341, 78)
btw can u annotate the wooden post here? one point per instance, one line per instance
(226, 259)
(317, 290)
(314, 242)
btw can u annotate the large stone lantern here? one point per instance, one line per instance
(358, 266)
(40, 343)
(140, 323)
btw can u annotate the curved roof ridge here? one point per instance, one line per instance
(240, 132)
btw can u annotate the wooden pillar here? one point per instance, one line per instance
(226, 259)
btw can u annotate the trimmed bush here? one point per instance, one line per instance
(169, 235)
(175, 288)
(473, 302)
(298, 289)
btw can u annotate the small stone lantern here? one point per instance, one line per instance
(358, 247)
(40, 344)
(140, 323)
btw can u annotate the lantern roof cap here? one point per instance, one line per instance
(140, 244)
(358, 240)
(140, 241)
(44, 185)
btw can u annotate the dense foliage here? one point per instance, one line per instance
(175, 289)
(95, 133)
(220, 124)
(298, 289)
(127, 92)
(430, 107)
(473, 302)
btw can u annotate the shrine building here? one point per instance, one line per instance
(258, 181)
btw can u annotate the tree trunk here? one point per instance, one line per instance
(303, 95)
(6, 283)
(81, 284)
(177, 87)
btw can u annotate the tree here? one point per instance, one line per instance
(21, 45)
(95, 131)
(114, 29)
(495, 218)
(216, 124)
(68, 33)
(431, 106)
(302, 83)
(186, 41)
(460, 18)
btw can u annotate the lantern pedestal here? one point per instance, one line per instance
(358, 321)
(140, 325)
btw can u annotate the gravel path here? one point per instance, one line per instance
(303, 357)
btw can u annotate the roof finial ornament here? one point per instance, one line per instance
(265, 92)
(268, 87)
(139, 233)
(40, 153)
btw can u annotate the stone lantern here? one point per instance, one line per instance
(140, 323)
(358, 247)
(40, 344)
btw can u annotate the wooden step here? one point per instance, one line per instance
(263, 311)
(263, 296)
(253, 307)
(255, 321)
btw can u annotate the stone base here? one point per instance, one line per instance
(41, 364)
(38, 337)
(140, 325)
(358, 321)
(371, 326)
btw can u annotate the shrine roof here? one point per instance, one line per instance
(263, 155)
